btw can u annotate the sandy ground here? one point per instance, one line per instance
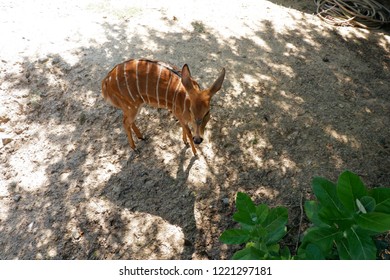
(300, 99)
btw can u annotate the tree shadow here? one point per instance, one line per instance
(289, 110)
(303, 6)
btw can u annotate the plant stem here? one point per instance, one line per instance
(300, 223)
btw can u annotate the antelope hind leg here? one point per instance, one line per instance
(137, 132)
(127, 128)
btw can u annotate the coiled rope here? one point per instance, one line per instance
(361, 13)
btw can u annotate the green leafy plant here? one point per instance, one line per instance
(261, 228)
(346, 216)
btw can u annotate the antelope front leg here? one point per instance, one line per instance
(187, 132)
(185, 137)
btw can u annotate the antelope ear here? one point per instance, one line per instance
(218, 83)
(186, 78)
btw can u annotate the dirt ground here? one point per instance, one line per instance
(300, 99)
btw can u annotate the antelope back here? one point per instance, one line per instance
(136, 82)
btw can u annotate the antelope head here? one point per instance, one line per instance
(199, 110)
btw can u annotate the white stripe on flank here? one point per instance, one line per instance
(136, 77)
(174, 97)
(157, 86)
(117, 81)
(147, 81)
(166, 92)
(127, 85)
(184, 104)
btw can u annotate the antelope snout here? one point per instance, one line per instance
(197, 140)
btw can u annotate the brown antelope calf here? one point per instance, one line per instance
(133, 83)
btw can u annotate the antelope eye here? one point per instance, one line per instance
(205, 118)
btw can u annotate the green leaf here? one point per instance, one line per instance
(330, 206)
(367, 202)
(246, 210)
(360, 244)
(285, 253)
(273, 248)
(244, 203)
(257, 233)
(323, 189)
(350, 188)
(374, 221)
(360, 206)
(311, 210)
(262, 211)
(311, 252)
(382, 198)
(235, 236)
(321, 237)
(274, 252)
(275, 224)
(343, 249)
(252, 218)
(244, 218)
(249, 253)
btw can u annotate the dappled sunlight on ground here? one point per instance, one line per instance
(300, 99)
